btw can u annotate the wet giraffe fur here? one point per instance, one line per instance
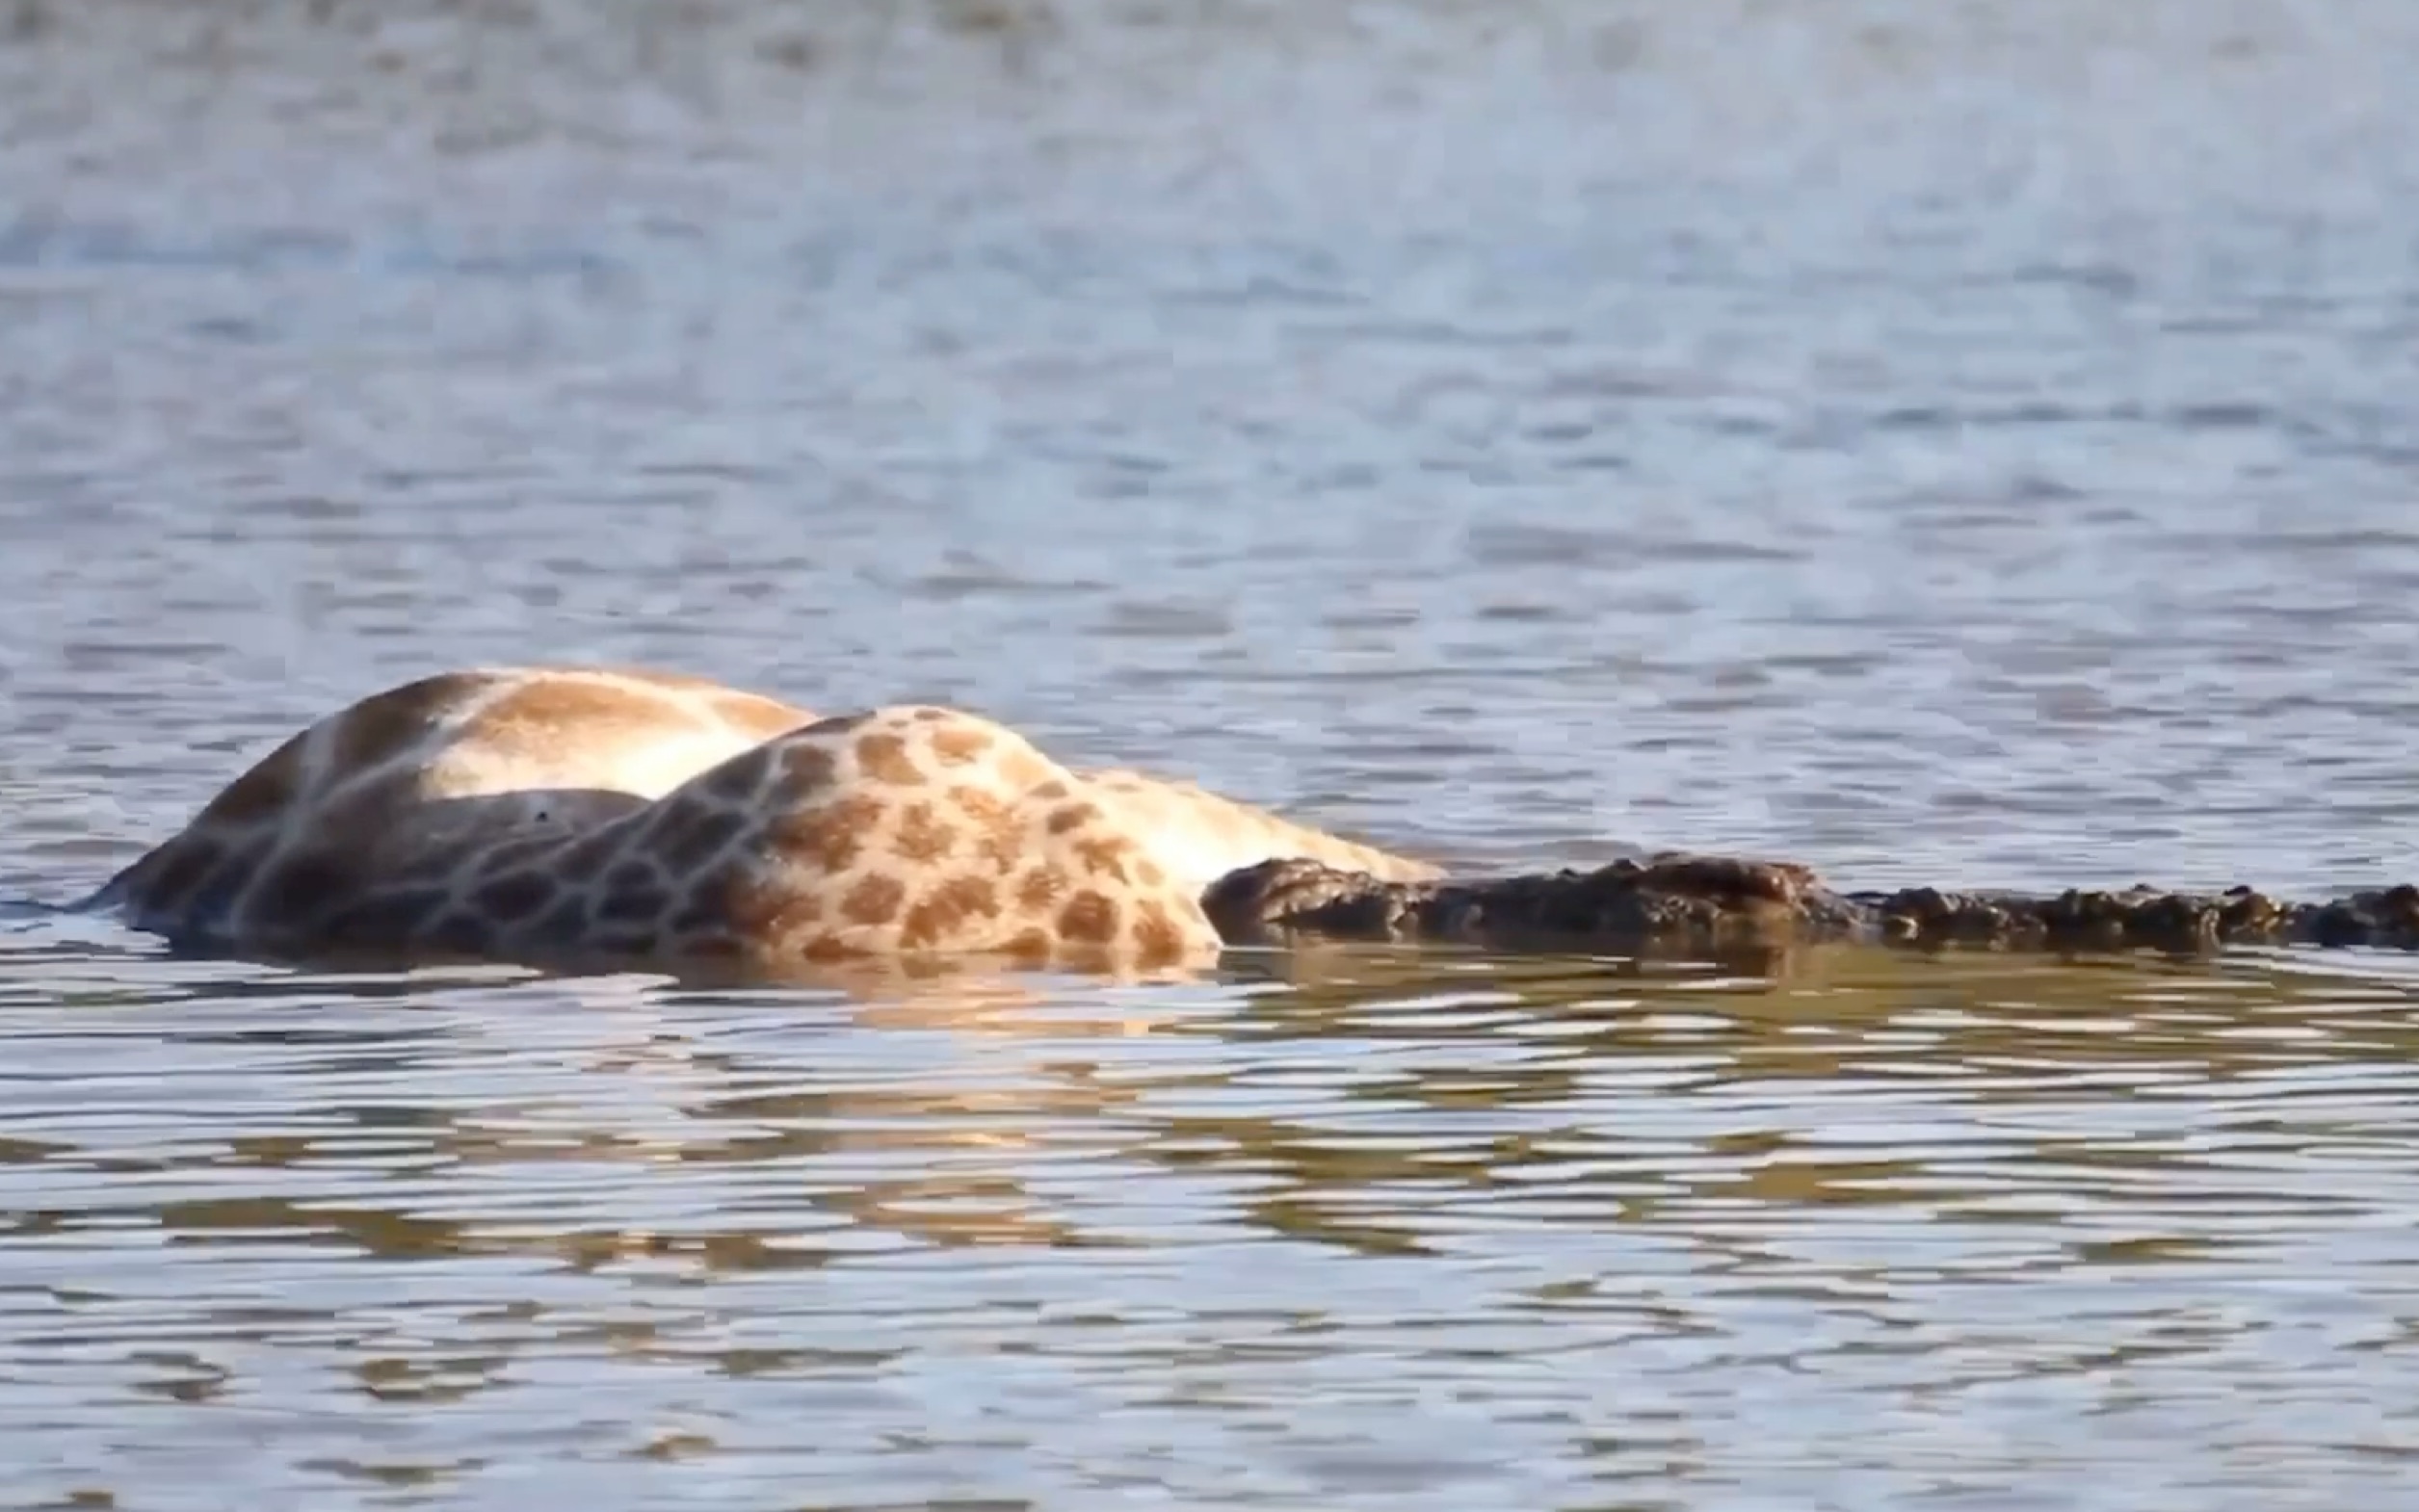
(558, 813)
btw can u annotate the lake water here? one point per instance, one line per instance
(1970, 443)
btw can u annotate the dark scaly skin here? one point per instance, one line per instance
(1677, 902)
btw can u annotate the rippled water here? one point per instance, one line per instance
(1970, 443)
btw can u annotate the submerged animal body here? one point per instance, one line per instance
(556, 813)
(577, 815)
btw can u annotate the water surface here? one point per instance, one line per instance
(1964, 444)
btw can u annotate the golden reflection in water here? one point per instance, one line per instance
(1366, 1096)
(1780, 1039)
(956, 1146)
(573, 1175)
(670, 1099)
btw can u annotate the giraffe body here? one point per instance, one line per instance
(542, 813)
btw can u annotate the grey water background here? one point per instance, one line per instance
(1971, 443)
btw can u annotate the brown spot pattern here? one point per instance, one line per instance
(829, 836)
(1073, 815)
(922, 837)
(828, 947)
(1032, 945)
(807, 769)
(997, 832)
(883, 757)
(1101, 893)
(760, 911)
(1102, 855)
(1157, 940)
(1039, 888)
(935, 919)
(1090, 917)
(874, 900)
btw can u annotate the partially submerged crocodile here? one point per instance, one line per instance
(1679, 902)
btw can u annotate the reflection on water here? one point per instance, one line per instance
(1359, 1229)
(1968, 443)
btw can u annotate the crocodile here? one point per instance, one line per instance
(1679, 901)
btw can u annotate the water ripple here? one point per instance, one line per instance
(1964, 444)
